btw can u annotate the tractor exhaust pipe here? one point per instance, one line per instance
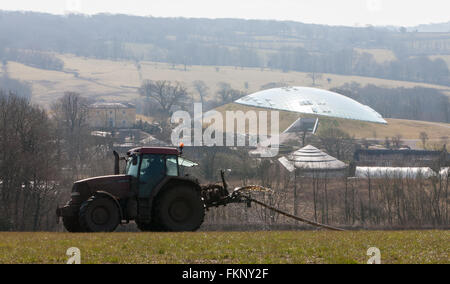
(222, 175)
(116, 163)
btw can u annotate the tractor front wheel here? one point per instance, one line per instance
(99, 214)
(179, 209)
(72, 223)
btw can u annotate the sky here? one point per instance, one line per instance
(329, 12)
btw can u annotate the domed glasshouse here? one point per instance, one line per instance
(312, 101)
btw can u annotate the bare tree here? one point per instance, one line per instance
(227, 94)
(315, 76)
(167, 94)
(202, 90)
(29, 177)
(397, 141)
(337, 142)
(224, 92)
(423, 136)
(70, 115)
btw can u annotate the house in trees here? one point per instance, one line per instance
(112, 115)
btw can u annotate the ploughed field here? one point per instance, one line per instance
(228, 247)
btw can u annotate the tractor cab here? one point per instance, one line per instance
(150, 166)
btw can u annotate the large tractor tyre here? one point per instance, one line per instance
(179, 209)
(99, 214)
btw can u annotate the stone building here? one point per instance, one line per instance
(112, 115)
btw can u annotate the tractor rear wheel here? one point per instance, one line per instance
(179, 209)
(99, 214)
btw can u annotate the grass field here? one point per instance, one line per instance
(228, 247)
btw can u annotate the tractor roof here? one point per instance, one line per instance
(155, 150)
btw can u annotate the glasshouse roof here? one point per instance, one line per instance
(312, 101)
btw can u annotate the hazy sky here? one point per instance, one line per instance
(332, 12)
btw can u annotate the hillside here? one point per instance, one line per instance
(284, 45)
(119, 80)
(437, 27)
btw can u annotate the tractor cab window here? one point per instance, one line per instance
(152, 169)
(172, 166)
(132, 170)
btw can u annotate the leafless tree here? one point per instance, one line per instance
(397, 141)
(337, 142)
(423, 136)
(202, 90)
(70, 115)
(29, 178)
(167, 94)
(227, 94)
(314, 76)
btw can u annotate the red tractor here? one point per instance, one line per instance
(151, 192)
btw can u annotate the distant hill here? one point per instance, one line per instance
(120, 79)
(433, 28)
(282, 45)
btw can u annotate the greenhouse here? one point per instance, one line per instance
(312, 101)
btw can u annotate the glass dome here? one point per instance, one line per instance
(312, 101)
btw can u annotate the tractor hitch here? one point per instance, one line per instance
(215, 195)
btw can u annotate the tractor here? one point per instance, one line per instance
(151, 192)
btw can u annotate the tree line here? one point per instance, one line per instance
(32, 58)
(16, 86)
(382, 202)
(242, 43)
(416, 103)
(350, 62)
(41, 155)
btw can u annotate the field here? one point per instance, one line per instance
(228, 247)
(119, 80)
